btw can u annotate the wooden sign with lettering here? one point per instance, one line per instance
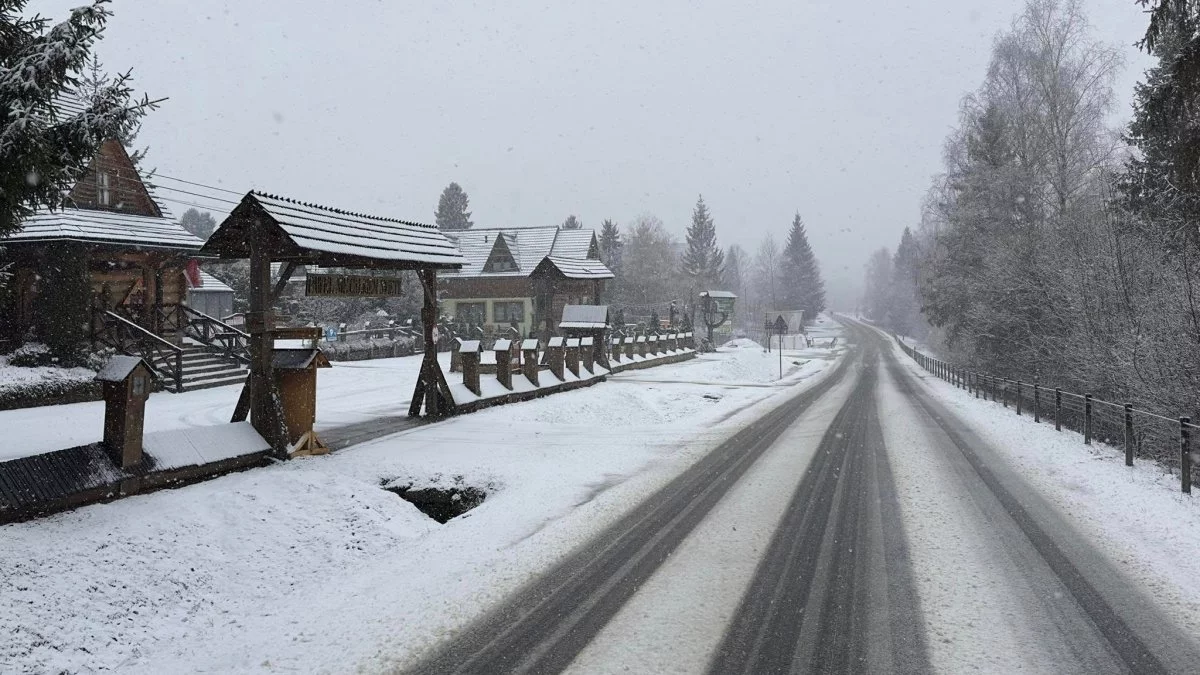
(350, 286)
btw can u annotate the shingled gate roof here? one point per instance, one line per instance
(309, 233)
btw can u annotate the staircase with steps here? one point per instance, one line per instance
(204, 368)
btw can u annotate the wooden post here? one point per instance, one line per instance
(1185, 455)
(1018, 398)
(1004, 392)
(555, 355)
(572, 356)
(1129, 440)
(470, 365)
(260, 324)
(1087, 419)
(629, 347)
(1037, 400)
(616, 350)
(641, 346)
(431, 388)
(455, 356)
(529, 360)
(587, 349)
(1057, 409)
(503, 349)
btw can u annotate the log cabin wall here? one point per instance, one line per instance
(111, 183)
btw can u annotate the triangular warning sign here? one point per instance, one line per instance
(780, 325)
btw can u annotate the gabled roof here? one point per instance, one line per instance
(573, 244)
(529, 246)
(105, 227)
(574, 269)
(119, 367)
(309, 233)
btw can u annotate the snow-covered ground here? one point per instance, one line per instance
(1136, 515)
(15, 377)
(309, 566)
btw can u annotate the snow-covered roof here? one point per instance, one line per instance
(584, 316)
(529, 246)
(330, 236)
(573, 243)
(209, 284)
(105, 227)
(577, 269)
(717, 294)
(119, 367)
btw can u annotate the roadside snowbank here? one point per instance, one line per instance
(311, 566)
(1136, 515)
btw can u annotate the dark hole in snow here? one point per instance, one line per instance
(441, 504)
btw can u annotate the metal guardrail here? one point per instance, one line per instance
(1143, 434)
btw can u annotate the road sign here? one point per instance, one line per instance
(781, 326)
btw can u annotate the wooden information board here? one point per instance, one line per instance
(350, 286)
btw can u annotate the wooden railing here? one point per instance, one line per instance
(125, 336)
(215, 334)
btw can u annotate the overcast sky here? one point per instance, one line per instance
(606, 110)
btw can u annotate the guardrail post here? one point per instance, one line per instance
(1087, 419)
(1037, 400)
(1057, 409)
(1004, 391)
(178, 372)
(341, 332)
(975, 383)
(1018, 398)
(1185, 455)
(1128, 434)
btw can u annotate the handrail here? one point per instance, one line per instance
(222, 324)
(151, 346)
(143, 332)
(213, 332)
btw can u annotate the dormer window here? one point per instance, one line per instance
(103, 194)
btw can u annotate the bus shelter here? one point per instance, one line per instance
(266, 228)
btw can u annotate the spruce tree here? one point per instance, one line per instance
(452, 214)
(803, 287)
(44, 149)
(703, 261)
(1161, 182)
(572, 223)
(902, 309)
(611, 245)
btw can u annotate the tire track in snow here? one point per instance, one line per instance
(834, 593)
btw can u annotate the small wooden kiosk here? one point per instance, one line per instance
(267, 228)
(127, 382)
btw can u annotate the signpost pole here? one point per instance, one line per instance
(781, 356)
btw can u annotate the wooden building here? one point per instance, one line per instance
(523, 277)
(136, 253)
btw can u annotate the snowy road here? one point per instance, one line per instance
(859, 528)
